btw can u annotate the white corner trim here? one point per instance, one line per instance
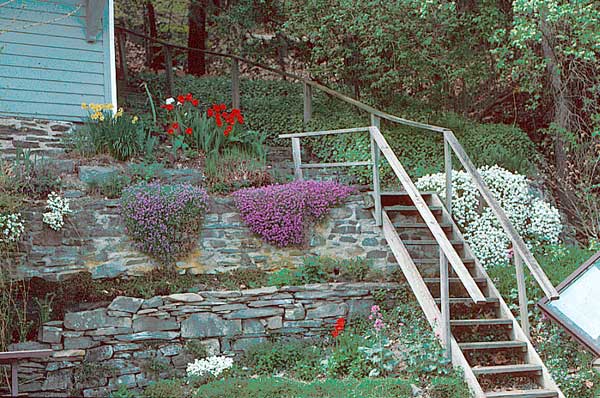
(112, 57)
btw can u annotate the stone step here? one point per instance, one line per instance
(525, 369)
(493, 345)
(522, 394)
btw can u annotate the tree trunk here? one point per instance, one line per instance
(197, 37)
(559, 95)
(152, 49)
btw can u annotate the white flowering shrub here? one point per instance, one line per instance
(58, 208)
(211, 366)
(12, 227)
(535, 220)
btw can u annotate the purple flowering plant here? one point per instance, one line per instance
(164, 220)
(282, 213)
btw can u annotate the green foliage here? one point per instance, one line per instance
(284, 388)
(448, 387)
(113, 185)
(120, 135)
(196, 349)
(300, 358)
(122, 392)
(30, 175)
(165, 389)
(321, 269)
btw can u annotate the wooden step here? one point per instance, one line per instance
(492, 345)
(481, 322)
(429, 242)
(468, 262)
(412, 209)
(404, 193)
(522, 394)
(468, 300)
(506, 369)
(436, 281)
(419, 225)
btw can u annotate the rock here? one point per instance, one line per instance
(259, 291)
(274, 323)
(110, 269)
(110, 331)
(148, 336)
(359, 308)
(127, 380)
(244, 344)
(153, 324)
(416, 391)
(61, 380)
(64, 354)
(83, 343)
(99, 354)
(209, 325)
(170, 350)
(87, 320)
(28, 346)
(255, 313)
(185, 297)
(253, 326)
(51, 334)
(328, 311)
(126, 304)
(96, 174)
(370, 242)
(186, 176)
(153, 302)
(295, 313)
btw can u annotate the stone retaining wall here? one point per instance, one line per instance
(134, 341)
(94, 240)
(39, 136)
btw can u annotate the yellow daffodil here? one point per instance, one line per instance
(134, 120)
(119, 113)
(84, 105)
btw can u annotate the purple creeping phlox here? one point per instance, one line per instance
(377, 317)
(282, 213)
(164, 220)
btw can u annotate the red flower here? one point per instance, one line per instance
(180, 99)
(188, 131)
(175, 125)
(227, 130)
(170, 131)
(195, 102)
(218, 120)
(222, 107)
(210, 112)
(335, 333)
(168, 107)
(189, 97)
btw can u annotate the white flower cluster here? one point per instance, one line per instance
(535, 220)
(212, 366)
(59, 208)
(12, 227)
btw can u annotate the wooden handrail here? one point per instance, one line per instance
(519, 245)
(436, 230)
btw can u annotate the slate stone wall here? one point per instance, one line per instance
(134, 341)
(94, 240)
(39, 136)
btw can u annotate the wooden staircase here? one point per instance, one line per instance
(487, 341)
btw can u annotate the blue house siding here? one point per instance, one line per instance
(47, 67)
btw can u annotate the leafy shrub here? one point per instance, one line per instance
(282, 213)
(301, 358)
(120, 135)
(284, 388)
(164, 220)
(534, 219)
(165, 389)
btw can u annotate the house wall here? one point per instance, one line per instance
(47, 68)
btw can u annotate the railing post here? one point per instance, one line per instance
(444, 283)
(297, 158)
(169, 70)
(307, 102)
(122, 37)
(235, 83)
(375, 157)
(523, 310)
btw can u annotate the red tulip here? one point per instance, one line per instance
(188, 131)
